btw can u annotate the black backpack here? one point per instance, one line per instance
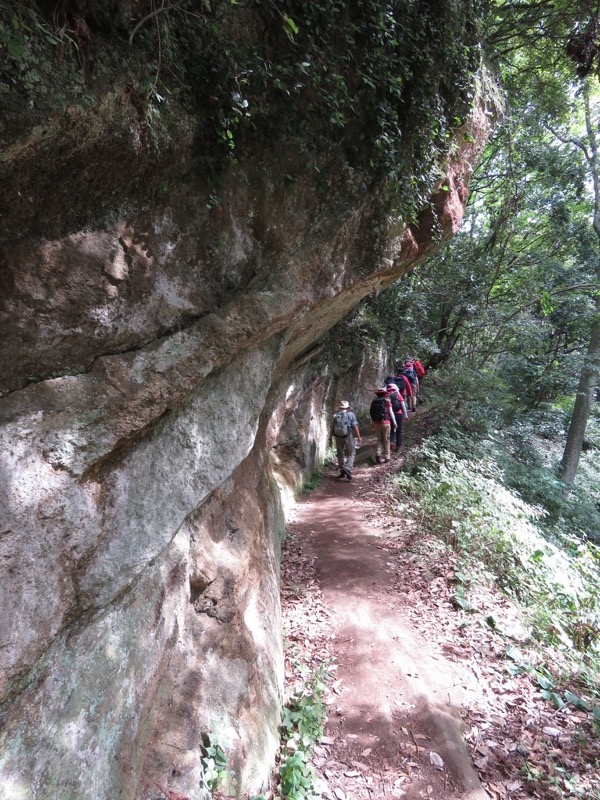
(378, 411)
(395, 401)
(399, 381)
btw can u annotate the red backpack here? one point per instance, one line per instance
(419, 369)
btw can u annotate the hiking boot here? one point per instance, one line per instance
(348, 474)
(378, 459)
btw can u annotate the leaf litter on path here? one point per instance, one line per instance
(519, 744)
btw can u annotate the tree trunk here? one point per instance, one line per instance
(583, 402)
(591, 366)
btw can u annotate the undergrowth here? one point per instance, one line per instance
(486, 485)
(302, 727)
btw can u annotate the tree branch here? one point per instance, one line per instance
(153, 13)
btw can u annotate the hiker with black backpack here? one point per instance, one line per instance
(400, 413)
(382, 422)
(344, 427)
(403, 384)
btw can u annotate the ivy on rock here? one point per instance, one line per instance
(380, 84)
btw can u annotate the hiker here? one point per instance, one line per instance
(409, 372)
(344, 427)
(402, 381)
(420, 372)
(400, 413)
(419, 369)
(382, 419)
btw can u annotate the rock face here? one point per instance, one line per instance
(163, 392)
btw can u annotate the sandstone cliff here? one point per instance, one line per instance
(163, 387)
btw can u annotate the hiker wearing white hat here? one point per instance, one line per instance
(344, 427)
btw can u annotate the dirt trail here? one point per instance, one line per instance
(394, 727)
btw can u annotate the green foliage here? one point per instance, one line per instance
(305, 714)
(301, 728)
(31, 48)
(384, 84)
(309, 484)
(214, 764)
(297, 777)
(463, 479)
(514, 289)
(532, 448)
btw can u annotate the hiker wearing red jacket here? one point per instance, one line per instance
(410, 373)
(420, 373)
(404, 384)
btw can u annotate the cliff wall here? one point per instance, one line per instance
(165, 386)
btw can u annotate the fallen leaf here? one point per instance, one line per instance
(436, 760)
(513, 786)
(554, 732)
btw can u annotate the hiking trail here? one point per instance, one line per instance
(394, 729)
(369, 588)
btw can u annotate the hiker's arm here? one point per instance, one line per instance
(392, 416)
(404, 408)
(356, 431)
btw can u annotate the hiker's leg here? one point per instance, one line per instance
(339, 447)
(380, 431)
(386, 443)
(351, 452)
(398, 431)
